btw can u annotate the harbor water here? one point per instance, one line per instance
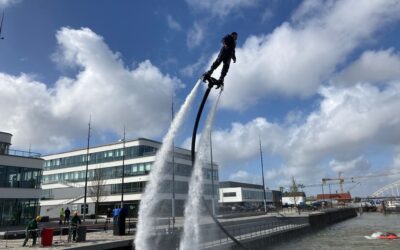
(350, 234)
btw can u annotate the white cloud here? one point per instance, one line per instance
(195, 35)
(246, 177)
(348, 123)
(195, 68)
(8, 3)
(373, 67)
(220, 8)
(52, 118)
(241, 141)
(297, 57)
(173, 24)
(354, 166)
(395, 166)
(267, 15)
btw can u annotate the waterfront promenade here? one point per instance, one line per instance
(251, 230)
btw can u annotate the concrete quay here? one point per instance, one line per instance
(255, 232)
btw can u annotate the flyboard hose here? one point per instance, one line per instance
(196, 124)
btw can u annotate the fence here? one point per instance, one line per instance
(214, 238)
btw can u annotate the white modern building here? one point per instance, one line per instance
(64, 178)
(245, 194)
(20, 176)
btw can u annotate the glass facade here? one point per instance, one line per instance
(181, 187)
(100, 157)
(19, 177)
(4, 147)
(253, 194)
(107, 173)
(17, 211)
(116, 172)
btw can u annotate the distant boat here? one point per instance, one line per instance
(393, 206)
(381, 235)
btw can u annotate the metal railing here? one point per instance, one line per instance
(213, 238)
(254, 232)
(21, 153)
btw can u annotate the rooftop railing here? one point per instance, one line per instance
(22, 153)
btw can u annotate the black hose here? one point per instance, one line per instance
(196, 124)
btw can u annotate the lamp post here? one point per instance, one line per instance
(330, 194)
(173, 172)
(86, 172)
(263, 182)
(323, 195)
(123, 170)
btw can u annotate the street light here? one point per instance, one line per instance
(263, 182)
(87, 169)
(123, 169)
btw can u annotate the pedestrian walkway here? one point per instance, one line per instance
(94, 240)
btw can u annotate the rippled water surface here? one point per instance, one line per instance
(350, 234)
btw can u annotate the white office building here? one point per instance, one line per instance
(20, 175)
(64, 178)
(244, 194)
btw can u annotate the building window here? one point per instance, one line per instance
(19, 177)
(109, 173)
(17, 211)
(230, 194)
(105, 156)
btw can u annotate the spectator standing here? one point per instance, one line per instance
(61, 216)
(67, 214)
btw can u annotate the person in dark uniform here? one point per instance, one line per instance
(31, 231)
(73, 226)
(67, 213)
(225, 55)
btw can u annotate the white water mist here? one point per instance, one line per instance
(152, 196)
(191, 236)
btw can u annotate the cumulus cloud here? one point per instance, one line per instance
(357, 165)
(373, 67)
(220, 8)
(195, 35)
(246, 177)
(395, 166)
(346, 125)
(51, 118)
(173, 24)
(299, 56)
(195, 68)
(349, 121)
(241, 142)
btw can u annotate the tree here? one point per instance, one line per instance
(294, 189)
(97, 189)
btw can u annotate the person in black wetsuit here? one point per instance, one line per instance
(225, 55)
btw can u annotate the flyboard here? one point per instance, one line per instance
(211, 82)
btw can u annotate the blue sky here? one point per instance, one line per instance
(317, 81)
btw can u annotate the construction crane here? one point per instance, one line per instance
(339, 178)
